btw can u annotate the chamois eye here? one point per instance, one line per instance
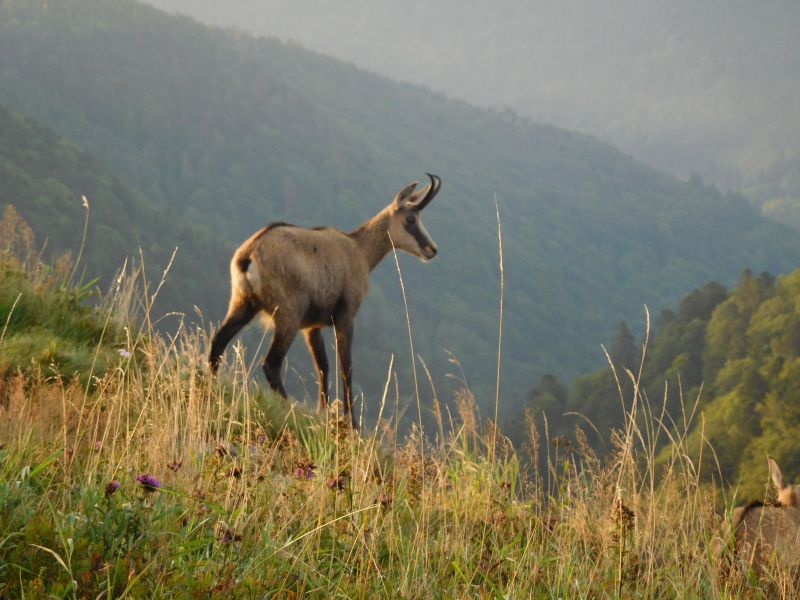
(410, 218)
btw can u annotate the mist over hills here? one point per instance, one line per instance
(711, 87)
(229, 132)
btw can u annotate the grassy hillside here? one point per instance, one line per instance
(231, 132)
(45, 176)
(158, 481)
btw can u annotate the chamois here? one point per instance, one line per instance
(764, 532)
(313, 278)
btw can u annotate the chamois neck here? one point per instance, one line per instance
(373, 239)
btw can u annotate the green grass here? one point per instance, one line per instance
(259, 497)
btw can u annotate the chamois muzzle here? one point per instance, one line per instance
(430, 251)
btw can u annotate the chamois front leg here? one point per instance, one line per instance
(344, 344)
(316, 346)
(281, 340)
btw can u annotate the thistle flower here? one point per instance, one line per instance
(112, 487)
(230, 536)
(149, 482)
(335, 483)
(304, 470)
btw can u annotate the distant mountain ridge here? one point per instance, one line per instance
(710, 88)
(232, 132)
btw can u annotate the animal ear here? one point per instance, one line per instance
(405, 194)
(777, 475)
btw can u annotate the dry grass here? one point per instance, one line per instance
(259, 498)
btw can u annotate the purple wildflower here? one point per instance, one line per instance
(335, 483)
(112, 487)
(230, 536)
(149, 483)
(124, 353)
(304, 470)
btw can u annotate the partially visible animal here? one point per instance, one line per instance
(307, 279)
(760, 535)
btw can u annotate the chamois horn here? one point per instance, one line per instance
(436, 183)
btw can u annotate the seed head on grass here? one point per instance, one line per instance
(148, 482)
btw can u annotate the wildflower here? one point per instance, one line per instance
(335, 483)
(385, 500)
(149, 483)
(175, 465)
(261, 439)
(98, 445)
(304, 470)
(124, 353)
(230, 536)
(112, 487)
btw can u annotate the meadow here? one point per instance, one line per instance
(126, 470)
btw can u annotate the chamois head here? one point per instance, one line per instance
(787, 494)
(405, 219)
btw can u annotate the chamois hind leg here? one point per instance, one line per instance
(281, 340)
(316, 346)
(344, 343)
(238, 316)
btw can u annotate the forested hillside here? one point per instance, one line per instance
(230, 132)
(45, 176)
(711, 87)
(730, 360)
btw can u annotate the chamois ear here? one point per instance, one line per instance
(787, 494)
(776, 473)
(405, 194)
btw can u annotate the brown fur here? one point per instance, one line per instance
(307, 279)
(763, 533)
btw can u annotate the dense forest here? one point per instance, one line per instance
(726, 362)
(46, 177)
(214, 133)
(712, 88)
